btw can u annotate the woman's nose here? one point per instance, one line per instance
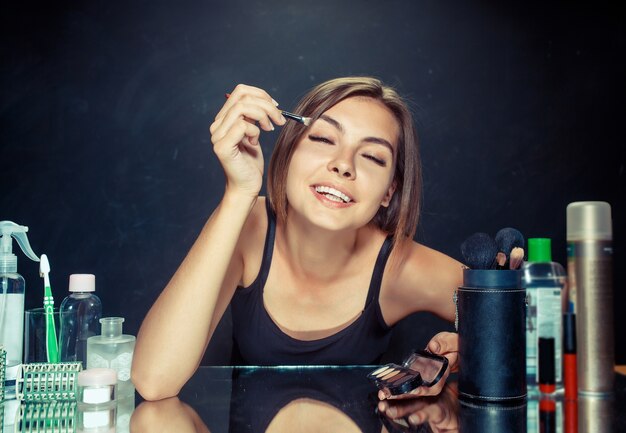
(343, 166)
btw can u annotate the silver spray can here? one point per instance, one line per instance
(590, 267)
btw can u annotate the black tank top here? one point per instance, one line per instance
(259, 341)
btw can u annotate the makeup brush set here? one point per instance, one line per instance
(491, 319)
(505, 251)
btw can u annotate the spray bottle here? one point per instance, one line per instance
(12, 299)
(590, 261)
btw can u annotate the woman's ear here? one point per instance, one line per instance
(388, 195)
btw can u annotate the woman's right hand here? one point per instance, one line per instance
(235, 136)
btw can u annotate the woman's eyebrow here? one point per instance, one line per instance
(340, 128)
(333, 122)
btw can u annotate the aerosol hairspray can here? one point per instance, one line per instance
(589, 252)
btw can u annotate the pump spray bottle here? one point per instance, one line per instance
(12, 299)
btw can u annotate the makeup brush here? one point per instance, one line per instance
(306, 121)
(479, 251)
(510, 243)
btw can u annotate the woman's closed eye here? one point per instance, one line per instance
(375, 159)
(321, 139)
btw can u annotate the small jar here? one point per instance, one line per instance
(97, 386)
(97, 406)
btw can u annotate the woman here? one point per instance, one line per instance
(323, 270)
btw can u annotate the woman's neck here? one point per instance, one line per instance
(317, 253)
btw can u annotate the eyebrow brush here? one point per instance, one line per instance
(306, 121)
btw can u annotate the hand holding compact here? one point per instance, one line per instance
(235, 136)
(423, 373)
(443, 344)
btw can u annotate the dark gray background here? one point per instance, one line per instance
(105, 109)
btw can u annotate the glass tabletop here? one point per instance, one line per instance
(324, 399)
(343, 399)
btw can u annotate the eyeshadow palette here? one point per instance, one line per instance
(422, 368)
(396, 378)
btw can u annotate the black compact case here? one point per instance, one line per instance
(422, 368)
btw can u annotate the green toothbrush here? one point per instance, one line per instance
(52, 347)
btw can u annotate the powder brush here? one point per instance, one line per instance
(479, 251)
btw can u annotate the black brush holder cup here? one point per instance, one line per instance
(491, 322)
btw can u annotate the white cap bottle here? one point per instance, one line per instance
(80, 314)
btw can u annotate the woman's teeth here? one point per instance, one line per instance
(332, 194)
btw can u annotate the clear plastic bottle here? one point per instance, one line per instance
(545, 282)
(80, 314)
(113, 350)
(12, 287)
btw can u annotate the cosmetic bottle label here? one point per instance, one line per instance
(121, 364)
(549, 323)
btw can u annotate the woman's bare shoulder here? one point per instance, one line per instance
(419, 278)
(422, 266)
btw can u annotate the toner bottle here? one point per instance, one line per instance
(544, 281)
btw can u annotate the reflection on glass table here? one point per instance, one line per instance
(342, 399)
(279, 399)
(324, 399)
(66, 416)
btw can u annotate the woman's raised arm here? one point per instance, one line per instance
(177, 328)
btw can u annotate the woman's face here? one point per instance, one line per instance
(342, 169)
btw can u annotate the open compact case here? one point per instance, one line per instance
(421, 368)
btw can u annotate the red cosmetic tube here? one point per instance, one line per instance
(570, 375)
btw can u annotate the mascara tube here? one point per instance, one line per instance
(589, 245)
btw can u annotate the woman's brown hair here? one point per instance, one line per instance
(401, 216)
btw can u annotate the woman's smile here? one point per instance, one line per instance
(333, 194)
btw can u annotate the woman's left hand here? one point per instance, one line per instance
(445, 344)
